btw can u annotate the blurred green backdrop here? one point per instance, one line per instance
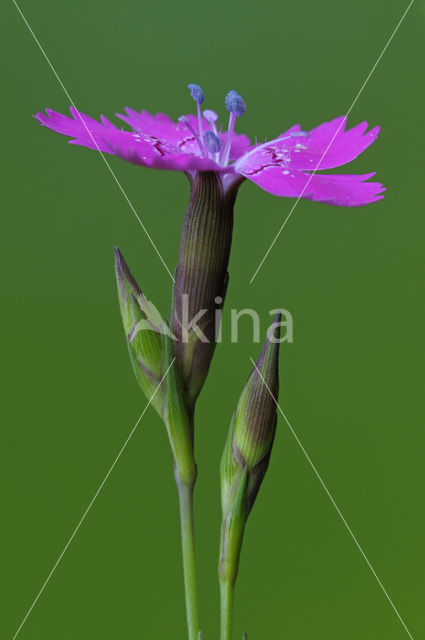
(351, 384)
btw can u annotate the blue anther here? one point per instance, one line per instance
(234, 103)
(196, 93)
(212, 142)
(210, 115)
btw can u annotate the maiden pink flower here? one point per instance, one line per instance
(283, 166)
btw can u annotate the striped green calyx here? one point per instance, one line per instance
(201, 277)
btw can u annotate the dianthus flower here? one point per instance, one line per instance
(283, 166)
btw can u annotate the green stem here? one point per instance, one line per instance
(226, 609)
(188, 547)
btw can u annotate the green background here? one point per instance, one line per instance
(351, 383)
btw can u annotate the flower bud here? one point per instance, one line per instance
(247, 452)
(254, 421)
(142, 326)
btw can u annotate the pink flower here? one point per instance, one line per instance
(285, 166)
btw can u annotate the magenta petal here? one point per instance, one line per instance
(330, 146)
(326, 130)
(173, 162)
(134, 147)
(340, 190)
(325, 147)
(277, 153)
(158, 125)
(107, 122)
(147, 151)
(84, 130)
(137, 147)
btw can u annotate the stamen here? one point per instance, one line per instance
(226, 151)
(236, 105)
(212, 142)
(185, 121)
(211, 117)
(198, 95)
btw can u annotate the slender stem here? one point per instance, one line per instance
(188, 547)
(226, 609)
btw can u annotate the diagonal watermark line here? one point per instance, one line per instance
(338, 510)
(330, 143)
(111, 171)
(91, 503)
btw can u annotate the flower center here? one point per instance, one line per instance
(209, 141)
